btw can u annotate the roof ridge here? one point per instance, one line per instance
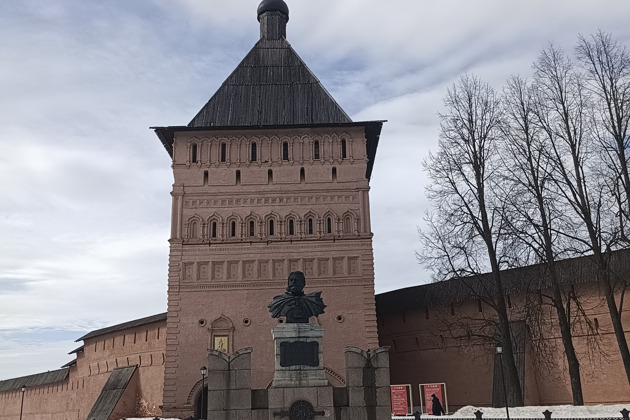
(34, 380)
(129, 324)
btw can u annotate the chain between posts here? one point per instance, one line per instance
(624, 413)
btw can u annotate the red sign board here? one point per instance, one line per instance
(399, 399)
(429, 390)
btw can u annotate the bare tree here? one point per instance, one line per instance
(607, 66)
(536, 217)
(466, 231)
(563, 109)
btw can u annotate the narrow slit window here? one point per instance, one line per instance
(223, 152)
(272, 230)
(214, 229)
(251, 228)
(254, 152)
(310, 226)
(344, 149)
(302, 176)
(329, 225)
(291, 227)
(270, 176)
(205, 177)
(194, 153)
(316, 150)
(238, 177)
(285, 151)
(334, 174)
(233, 229)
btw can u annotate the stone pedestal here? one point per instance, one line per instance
(299, 356)
(299, 391)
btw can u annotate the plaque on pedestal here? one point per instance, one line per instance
(299, 353)
(299, 359)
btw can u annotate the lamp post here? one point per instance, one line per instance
(204, 372)
(22, 404)
(500, 353)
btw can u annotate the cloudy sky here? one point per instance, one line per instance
(84, 183)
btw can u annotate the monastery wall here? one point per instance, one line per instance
(73, 397)
(430, 345)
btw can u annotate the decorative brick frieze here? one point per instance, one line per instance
(200, 203)
(278, 285)
(265, 269)
(286, 247)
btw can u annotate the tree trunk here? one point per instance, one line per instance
(514, 382)
(567, 341)
(615, 316)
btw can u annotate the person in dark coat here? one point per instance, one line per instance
(437, 407)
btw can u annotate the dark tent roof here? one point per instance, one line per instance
(124, 326)
(271, 86)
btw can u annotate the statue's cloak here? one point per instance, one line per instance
(309, 305)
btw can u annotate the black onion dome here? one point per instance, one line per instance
(273, 6)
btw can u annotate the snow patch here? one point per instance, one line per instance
(558, 411)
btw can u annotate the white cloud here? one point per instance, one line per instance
(84, 197)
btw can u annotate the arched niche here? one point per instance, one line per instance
(222, 335)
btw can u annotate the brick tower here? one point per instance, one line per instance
(271, 176)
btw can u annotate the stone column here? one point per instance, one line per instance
(229, 385)
(367, 380)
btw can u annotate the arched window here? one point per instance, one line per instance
(205, 177)
(270, 176)
(302, 176)
(316, 150)
(233, 228)
(194, 153)
(194, 229)
(272, 230)
(213, 229)
(223, 152)
(251, 228)
(291, 227)
(328, 225)
(254, 152)
(238, 177)
(334, 174)
(344, 149)
(347, 224)
(285, 150)
(310, 225)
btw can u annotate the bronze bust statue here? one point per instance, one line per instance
(294, 304)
